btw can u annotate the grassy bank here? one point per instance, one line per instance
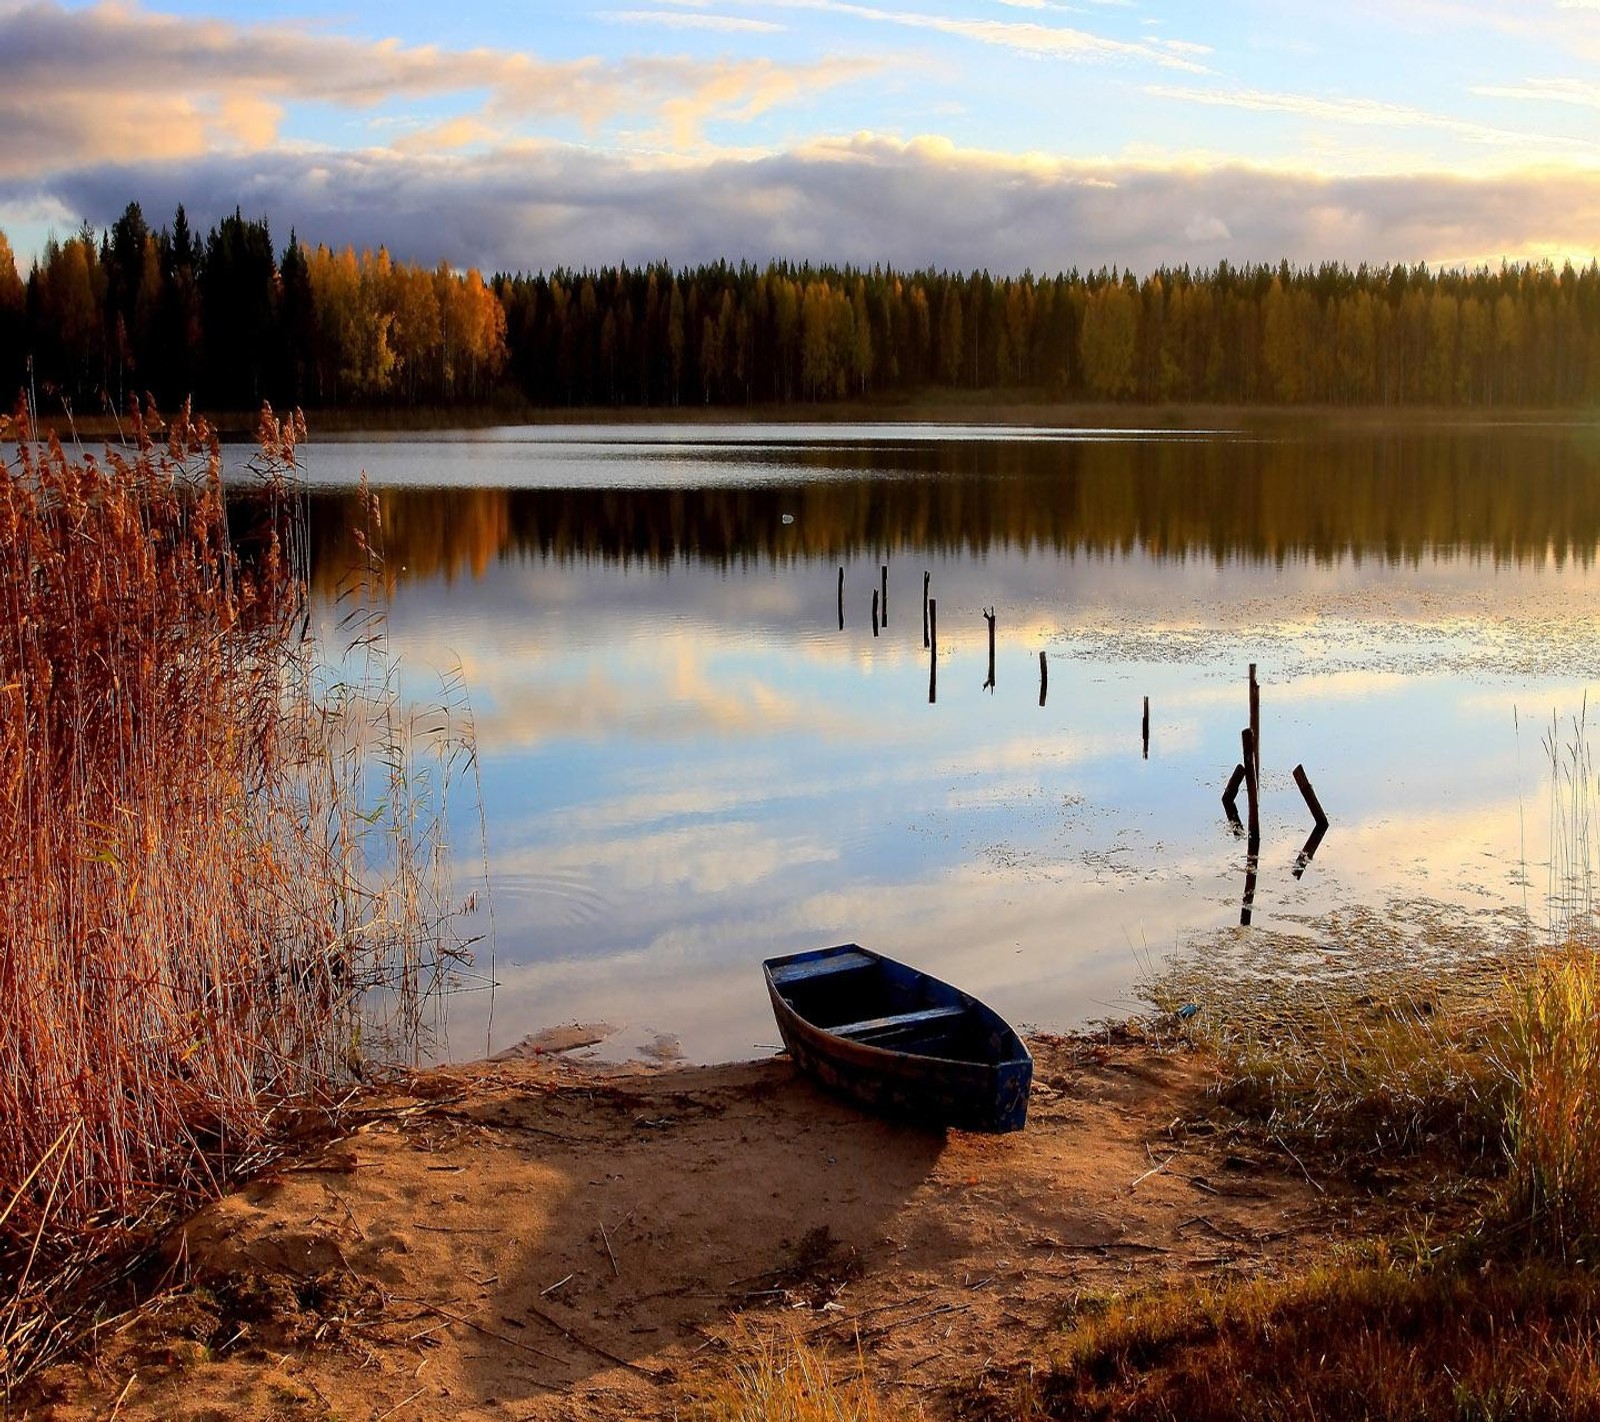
(199, 895)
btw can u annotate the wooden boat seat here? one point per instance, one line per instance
(820, 968)
(874, 1026)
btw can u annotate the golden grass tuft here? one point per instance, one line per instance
(783, 1378)
(1376, 1335)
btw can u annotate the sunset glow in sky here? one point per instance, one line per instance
(1005, 134)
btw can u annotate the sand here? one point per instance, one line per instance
(546, 1239)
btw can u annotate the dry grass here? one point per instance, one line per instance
(1376, 1337)
(1552, 1055)
(785, 1379)
(198, 888)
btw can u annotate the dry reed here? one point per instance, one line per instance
(193, 906)
(1552, 1058)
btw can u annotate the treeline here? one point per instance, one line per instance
(227, 320)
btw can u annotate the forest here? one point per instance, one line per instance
(231, 321)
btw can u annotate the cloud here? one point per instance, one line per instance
(690, 20)
(116, 83)
(1026, 37)
(1370, 113)
(1550, 91)
(864, 199)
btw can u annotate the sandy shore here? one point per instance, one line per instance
(542, 1239)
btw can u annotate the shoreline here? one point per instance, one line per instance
(999, 410)
(547, 1240)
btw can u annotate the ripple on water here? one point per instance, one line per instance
(565, 900)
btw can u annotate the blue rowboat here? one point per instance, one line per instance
(898, 1041)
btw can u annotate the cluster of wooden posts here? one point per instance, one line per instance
(930, 635)
(1247, 774)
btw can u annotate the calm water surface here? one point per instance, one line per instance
(689, 765)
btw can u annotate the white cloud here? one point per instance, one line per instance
(1019, 36)
(1551, 91)
(1370, 113)
(118, 84)
(691, 20)
(863, 199)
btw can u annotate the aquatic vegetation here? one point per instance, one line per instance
(202, 890)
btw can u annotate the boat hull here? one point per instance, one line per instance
(899, 1042)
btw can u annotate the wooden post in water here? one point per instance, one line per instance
(1309, 849)
(883, 574)
(1230, 798)
(933, 651)
(874, 612)
(1044, 678)
(1312, 803)
(925, 576)
(1255, 719)
(1251, 785)
(989, 618)
(1251, 862)
(841, 599)
(1145, 728)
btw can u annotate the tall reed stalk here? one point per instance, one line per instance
(198, 889)
(1553, 1053)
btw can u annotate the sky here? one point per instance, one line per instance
(1009, 135)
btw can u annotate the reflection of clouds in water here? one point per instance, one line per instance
(700, 859)
(1050, 937)
(692, 768)
(661, 688)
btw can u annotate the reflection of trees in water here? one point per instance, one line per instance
(1398, 498)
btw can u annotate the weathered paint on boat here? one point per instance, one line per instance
(899, 1041)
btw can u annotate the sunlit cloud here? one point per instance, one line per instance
(691, 20)
(1019, 36)
(866, 199)
(1369, 113)
(1546, 91)
(115, 83)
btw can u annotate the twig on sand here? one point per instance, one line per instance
(609, 1253)
(1156, 1169)
(868, 1312)
(893, 1324)
(595, 1348)
(404, 1402)
(465, 1322)
(123, 1396)
(1278, 1140)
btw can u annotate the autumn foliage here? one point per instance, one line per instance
(231, 322)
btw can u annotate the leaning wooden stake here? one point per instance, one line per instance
(933, 651)
(874, 612)
(841, 599)
(988, 617)
(1230, 797)
(1251, 787)
(1044, 678)
(1145, 731)
(1312, 803)
(925, 576)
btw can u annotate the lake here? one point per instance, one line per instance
(688, 764)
